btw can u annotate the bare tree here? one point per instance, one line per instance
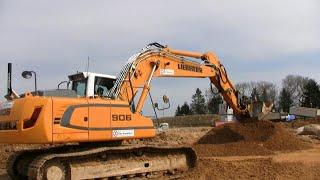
(295, 84)
(244, 88)
(266, 90)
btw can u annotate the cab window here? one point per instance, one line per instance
(80, 86)
(102, 86)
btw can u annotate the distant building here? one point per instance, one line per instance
(226, 113)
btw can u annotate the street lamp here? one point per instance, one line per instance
(28, 75)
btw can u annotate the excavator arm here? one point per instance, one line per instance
(161, 61)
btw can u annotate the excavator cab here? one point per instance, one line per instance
(88, 84)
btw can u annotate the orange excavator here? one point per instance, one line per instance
(88, 121)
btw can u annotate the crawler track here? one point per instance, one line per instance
(75, 162)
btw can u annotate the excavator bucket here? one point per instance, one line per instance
(266, 109)
(260, 109)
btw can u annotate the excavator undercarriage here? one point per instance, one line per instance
(81, 162)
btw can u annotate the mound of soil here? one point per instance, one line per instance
(233, 132)
(254, 138)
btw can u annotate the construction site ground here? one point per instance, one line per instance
(261, 150)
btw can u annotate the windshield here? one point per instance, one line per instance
(102, 86)
(80, 87)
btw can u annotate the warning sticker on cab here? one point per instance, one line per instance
(5, 107)
(123, 133)
(166, 72)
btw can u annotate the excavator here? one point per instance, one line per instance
(87, 122)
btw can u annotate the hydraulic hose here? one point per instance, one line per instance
(225, 74)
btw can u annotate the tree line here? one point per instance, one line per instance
(207, 103)
(295, 91)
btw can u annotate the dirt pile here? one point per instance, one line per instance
(254, 138)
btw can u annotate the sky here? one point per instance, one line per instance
(255, 40)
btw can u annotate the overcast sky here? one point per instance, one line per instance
(256, 40)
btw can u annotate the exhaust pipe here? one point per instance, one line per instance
(9, 82)
(11, 94)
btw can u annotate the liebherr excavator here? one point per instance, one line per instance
(99, 112)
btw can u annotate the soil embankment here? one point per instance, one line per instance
(254, 138)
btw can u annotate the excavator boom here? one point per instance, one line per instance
(161, 61)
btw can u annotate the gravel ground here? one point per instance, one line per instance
(235, 151)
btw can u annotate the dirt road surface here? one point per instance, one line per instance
(235, 151)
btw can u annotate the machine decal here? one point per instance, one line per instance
(190, 68)
(121, 117)
(167, 72)
(65, 120)
(5, 108)
(9, 125)
(122, 133)
(106, 129)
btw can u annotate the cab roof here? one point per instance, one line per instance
(87, 74)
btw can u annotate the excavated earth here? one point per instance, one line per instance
(256, 138)
(256, 150)
(261, 150)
